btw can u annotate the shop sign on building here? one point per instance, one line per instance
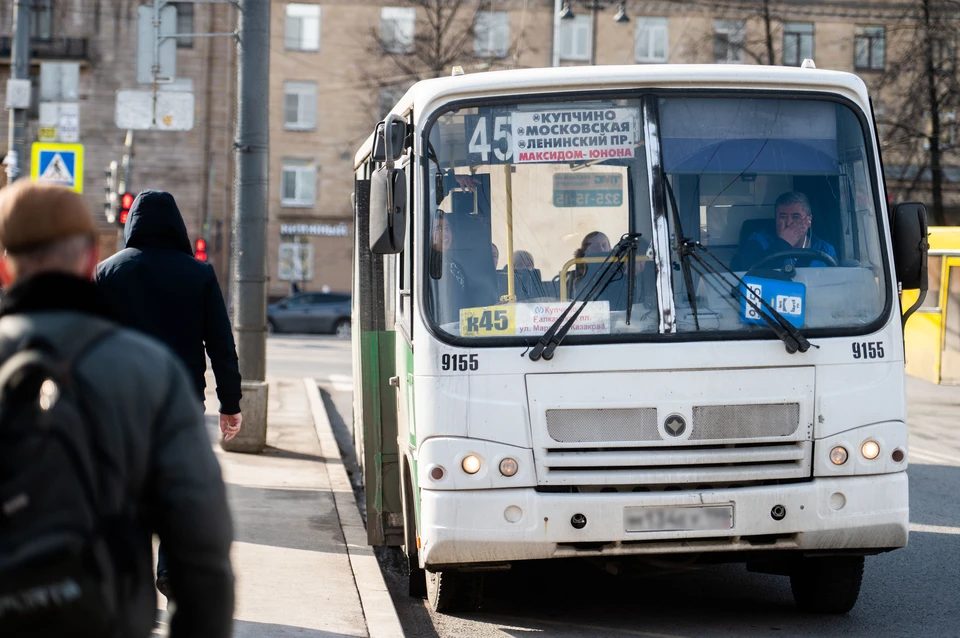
(315, 230)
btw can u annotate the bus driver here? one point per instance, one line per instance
(794, 217)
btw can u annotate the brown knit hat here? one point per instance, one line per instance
(32, 215)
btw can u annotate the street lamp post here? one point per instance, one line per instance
(595, 6)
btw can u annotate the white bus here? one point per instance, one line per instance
(606, 312)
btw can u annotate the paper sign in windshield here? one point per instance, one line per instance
(786, 297)
(531, 319)
(575, 134)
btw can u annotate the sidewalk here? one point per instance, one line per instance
(294, 572)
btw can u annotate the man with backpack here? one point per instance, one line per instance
(102, 443)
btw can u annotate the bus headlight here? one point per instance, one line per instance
(509, 467)
(471, 464)
(838, 455)
(870, 450)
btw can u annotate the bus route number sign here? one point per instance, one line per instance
(578, 190)
(488, 322)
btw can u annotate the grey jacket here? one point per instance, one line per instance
(165, 473)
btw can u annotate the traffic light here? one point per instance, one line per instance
(110, 194)
(126, 201)
(200, 249)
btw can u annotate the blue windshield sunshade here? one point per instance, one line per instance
(685, 155)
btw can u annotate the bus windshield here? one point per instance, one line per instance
(526, 200)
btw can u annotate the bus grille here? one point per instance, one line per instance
(595, 425)
(676, 465)
(739, 443)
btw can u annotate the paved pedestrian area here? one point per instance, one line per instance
(293, 571)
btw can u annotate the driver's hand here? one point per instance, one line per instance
(794, 233)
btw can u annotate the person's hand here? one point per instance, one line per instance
(467, 182)
(230, 425)
(794, 233)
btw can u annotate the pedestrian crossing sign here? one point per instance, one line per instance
(60, 164)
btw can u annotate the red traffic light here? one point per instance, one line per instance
(126, 201)
(200, 249)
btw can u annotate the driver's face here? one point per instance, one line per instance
(792, 220)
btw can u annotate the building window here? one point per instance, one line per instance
(948, 130)
(41, 20)
(296, 261)
(651, 44)
(184, 23)
(303, 27)
(492, 31)
(397, 28)
(869, 45)
(575, 36)
(299, 106)
(797, 42)
(944, 55)
(728, 41)
(297, 183)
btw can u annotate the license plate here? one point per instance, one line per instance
(675, 519)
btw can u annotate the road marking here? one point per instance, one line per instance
(935, 529)
(559, 623)
(929, 456)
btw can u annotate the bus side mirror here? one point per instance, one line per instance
(398, 135)
(388, 191)
(910, 248)
(910, 245)
(388, 211)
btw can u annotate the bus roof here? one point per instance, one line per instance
(667, 76)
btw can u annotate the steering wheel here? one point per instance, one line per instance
(808, 255)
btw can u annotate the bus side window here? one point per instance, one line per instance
(405, 262)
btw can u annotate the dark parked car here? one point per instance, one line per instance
(311, 312)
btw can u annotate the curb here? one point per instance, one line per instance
(378, 610)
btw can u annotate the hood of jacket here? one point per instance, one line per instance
(156, 222)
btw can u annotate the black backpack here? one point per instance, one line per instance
(58, 568)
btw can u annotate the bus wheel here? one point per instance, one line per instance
(454, 591)
(827, 585)
(416, 578)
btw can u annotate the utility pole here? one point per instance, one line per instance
(19, 70)
(250, 219)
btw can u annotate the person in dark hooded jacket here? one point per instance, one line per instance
(156, 286)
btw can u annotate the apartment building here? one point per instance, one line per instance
(99, 37)
(338, 65)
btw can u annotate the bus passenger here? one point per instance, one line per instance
(529, 285)
(794, 217)
(462, 264)
(594, 244)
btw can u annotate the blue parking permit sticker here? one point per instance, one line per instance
(789, 298)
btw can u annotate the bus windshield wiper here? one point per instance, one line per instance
(596, 285)
(682, 252)
(793, 339)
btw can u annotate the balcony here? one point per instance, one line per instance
(53, 49)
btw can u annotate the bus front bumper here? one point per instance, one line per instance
(868, 513)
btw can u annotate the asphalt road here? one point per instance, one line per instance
(910, 592)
